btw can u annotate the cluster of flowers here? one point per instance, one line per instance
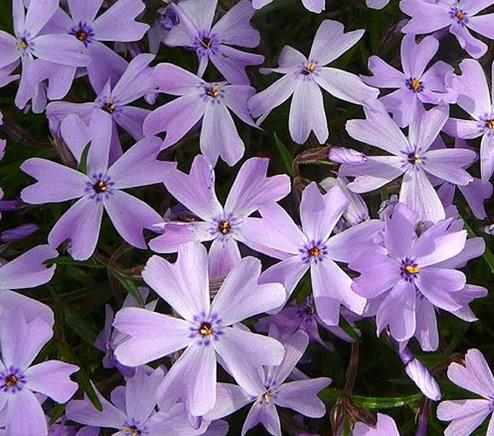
(417, 244)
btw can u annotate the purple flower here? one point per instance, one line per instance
(110, 338)
(167, 17)
(27, 271)
(456, 15)
(385, 426)
(195, 31)
(414, 86)
(273, 391)
(17, 233)
(30, 43)
(97, 189)
(410, 157)
(132, 409)
(475, 193)
(316, 6)
(222, 225)
(135, 82)
(475, 99)
(205, 331)
(304, 77)
(89, 31)
(20, 342)
(313, 247)
(475, 376)
(201, 100)
(377, 4)
(411, 273)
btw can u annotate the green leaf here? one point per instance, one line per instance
(82, 167)
(385, 402)
(348, 329)
(130, 287)
(79, 326)
(57, 411)
(488, 256)
(65, 260)
(285, 154)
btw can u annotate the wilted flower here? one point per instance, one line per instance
(196, 31)
(304, 78)
(459, 16)
(475, 376)
(198, 100)
(205, 331)
(415, 86)
(20, 342)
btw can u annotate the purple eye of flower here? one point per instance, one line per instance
(489, 124)
(213, 91)
(414, 158)
(459, 15)
(414, 85)
(314, 252)
(100, 187)
(83, 33)
(131, 431)
(22, 44)
(409, 270)
(224, 227)
(309, 68)
(12, 381)
(109, 107)
(206, 329)
(266, 397)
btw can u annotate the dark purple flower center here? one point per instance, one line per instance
(459, 15)
(12, 380)
(133, 428)
(414, 158)
(100, 185)
(83, 32)
(109, 107)
(213, 91)
(314, 252)
(414, 84)
(266, 397)
(489, 124)
(206, 42)
(224, 227)
(206, 328)
(22, 44)
(409, 270)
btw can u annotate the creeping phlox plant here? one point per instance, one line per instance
(246, 217)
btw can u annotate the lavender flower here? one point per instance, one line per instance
(205, 330)
(316, 6)
(415, 86)
(475, 193)
(222, 225)
(385, 426)
(410, 273)
(273, 392)
(313, 248)
(97, 189)
(30, 43)
(459, 16)
(475, 99)
(132, 410)
(409, 157)
(303, 77)
(20, 342)
(201, 100)
(136, 81)
(110, 338)
(27, 271)
(89, 31)
(166, 18)
(475, 376)
(195, 31)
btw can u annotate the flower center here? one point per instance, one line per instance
(131, 431)
(213, 91)
(459, 15)
(224, 227)
(489, 124)
(100, 187)
(415, 85)
(83, 33)
(315, 252)
(414, 158)
(206, 329)
(22, 44)
(309, 68)
(11, 381)
(266, 397)
(206, 42)
(109, 107)
(409, 270)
